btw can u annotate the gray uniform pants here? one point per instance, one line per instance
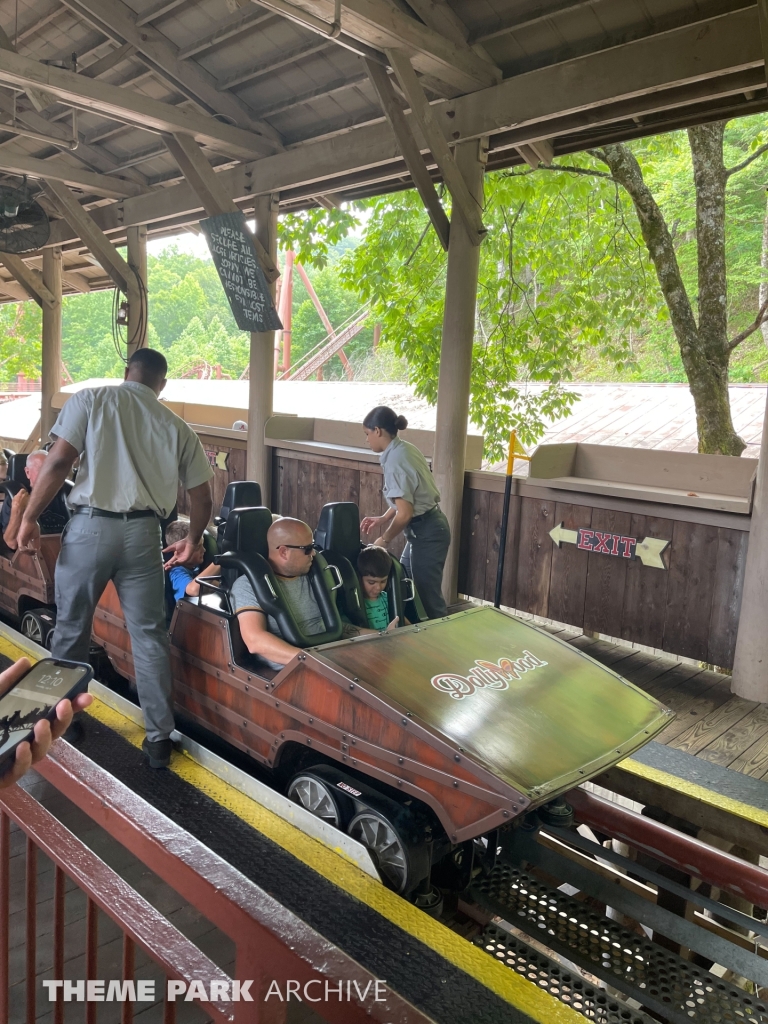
(95, 550)
(424, 558)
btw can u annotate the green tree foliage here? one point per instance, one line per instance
(561, 273)
(666, 164)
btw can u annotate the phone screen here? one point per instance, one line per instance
(33, 697)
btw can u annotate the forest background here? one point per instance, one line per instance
(567, 291)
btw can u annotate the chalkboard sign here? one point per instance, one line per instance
(235, 258)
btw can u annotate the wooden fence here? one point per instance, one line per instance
(689, 608)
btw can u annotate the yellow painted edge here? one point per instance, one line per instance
(501, 980)
(697, 792)
(16, 649)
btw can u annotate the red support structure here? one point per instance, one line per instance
(31, 930)
(666, 844)
(271, 943)
(5, 913)
(286, 316)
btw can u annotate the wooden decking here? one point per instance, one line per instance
(710, 721)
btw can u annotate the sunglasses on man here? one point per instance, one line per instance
(306, 548)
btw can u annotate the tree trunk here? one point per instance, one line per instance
(703, 346)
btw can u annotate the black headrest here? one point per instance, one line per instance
(240, 494)
(16, 473)
(338, 529)
(8, 452)
(246, 531)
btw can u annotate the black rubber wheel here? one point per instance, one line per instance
(37, 625)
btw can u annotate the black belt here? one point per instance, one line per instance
(87, 510)
(417, 519)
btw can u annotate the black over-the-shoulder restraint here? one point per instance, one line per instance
(270, 596)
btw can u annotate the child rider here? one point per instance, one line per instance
(373, 568)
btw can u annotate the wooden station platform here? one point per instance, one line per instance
(710, 765)
(710, 721)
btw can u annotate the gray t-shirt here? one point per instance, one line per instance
(407, 476)
(298, 596)
(133, 449)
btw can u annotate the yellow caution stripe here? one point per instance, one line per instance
(711, 797)
(498, 978)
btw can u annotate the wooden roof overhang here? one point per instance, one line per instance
(279, 105)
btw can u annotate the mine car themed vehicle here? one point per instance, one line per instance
(427, 743)
(26, 578)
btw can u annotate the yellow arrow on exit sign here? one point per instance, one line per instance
(648, 550)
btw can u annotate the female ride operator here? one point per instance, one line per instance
(413, 497)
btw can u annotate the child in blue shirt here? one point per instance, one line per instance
(179, 575)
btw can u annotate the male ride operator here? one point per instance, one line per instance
(133, 452)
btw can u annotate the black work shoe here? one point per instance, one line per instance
(158, 752)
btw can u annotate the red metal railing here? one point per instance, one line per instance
(272, 944)
(686, 853)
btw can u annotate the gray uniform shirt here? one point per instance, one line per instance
(133, 449)
(407, 476)
(298, 596)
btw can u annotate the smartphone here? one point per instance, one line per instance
(35, 696)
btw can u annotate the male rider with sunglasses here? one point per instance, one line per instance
(291, 552)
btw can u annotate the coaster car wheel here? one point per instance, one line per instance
(37, 625)
(390, 850)
(319, 798)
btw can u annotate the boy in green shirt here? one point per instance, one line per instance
(373, 568)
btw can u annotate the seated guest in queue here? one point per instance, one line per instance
(179, 576)
(291, 552)
(373, 568)
(14, 505)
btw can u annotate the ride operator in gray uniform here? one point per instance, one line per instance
(413, 498)
(133, 452)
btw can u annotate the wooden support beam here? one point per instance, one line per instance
(92, 156)
(235, 24)
(537, 152)
(453, 385)
(157, 10)
(137, 296)
(92, 235)
(382, 26)
(315, 93)
(116, 20)
(750, 679)
(39, 100)
(410, 150)
(256, 69)
(440, 16)
(51, 340)
(261, 364)
(57, 169)
(29, 279)
(464, 202)
(77, 281)
(130, 107)
(210, 191)
(645, 75)
(14, 290)
(762, 12)
(109, 61)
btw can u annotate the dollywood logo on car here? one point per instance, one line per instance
(486, 674)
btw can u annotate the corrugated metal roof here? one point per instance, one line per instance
(627, 415)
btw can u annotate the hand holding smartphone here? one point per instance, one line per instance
(36, 707)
